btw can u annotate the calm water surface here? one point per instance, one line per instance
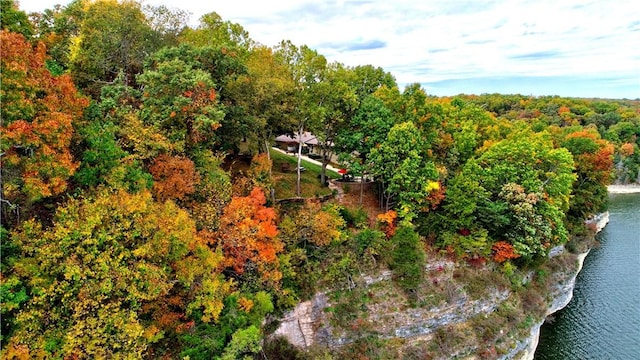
(602, 321)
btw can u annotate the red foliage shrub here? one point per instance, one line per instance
(503, 251)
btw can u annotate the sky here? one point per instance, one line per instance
(531, 47)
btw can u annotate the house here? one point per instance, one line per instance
(290, 143)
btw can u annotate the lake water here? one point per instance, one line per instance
(602, 321)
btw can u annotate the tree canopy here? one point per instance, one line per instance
(141, 201)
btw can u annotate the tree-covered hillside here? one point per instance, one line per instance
(131, 228)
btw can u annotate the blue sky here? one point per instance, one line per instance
(531, 47)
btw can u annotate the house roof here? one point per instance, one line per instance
(307, 138)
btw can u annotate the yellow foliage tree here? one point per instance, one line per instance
(107, 276)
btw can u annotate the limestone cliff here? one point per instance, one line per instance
(465, 303)
(562, 294)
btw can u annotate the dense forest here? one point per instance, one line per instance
(141, 201)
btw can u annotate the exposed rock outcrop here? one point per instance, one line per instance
(310, 322)
(298, 325)
(562, 294)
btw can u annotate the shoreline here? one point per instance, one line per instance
(559, 303)
(624, 189)
(565, 295)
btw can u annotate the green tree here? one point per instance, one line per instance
(517, 190)
(367, 79)
(114, 37)
(337, 104)
(367, 129)
(308, 69)
(214, 69)
(14, 20)
(266, 92)
(244, 344)
(167, 23)
(532, 161)
(459, 131)
(414, 99)
(407, 259)
(181, 101)
(533, 224)
(408, 176)
(105, 163)
(237, 333)
(213, 31)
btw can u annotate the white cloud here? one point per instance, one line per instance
(452, 40)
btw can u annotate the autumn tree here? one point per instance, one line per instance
(593, 158)
(308, 233)
(626, 134)
(248, 236)
(503, 251)
(260, 172)
(174, 177)
(213, 192)
(56, 28)
(388, 222)
(38, 115)
(100, 280)
(312, 225)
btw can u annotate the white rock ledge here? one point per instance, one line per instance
(624, 189)
(527, 347)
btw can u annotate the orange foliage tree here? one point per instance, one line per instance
(248, 233)
(503, 251)
(174, 177)
(388, 222)
(626, 149)
(38, 113)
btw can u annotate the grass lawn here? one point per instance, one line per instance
(285, 181)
